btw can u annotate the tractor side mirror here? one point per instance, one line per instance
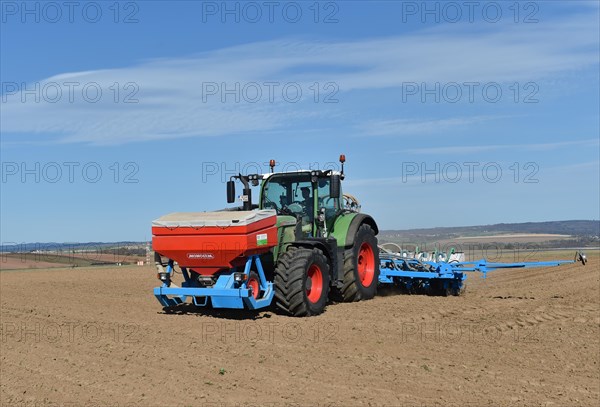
(230, 191)
(335, 186)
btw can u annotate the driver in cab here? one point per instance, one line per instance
(308, 201)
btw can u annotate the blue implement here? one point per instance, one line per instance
(226, 292)
(443, 277)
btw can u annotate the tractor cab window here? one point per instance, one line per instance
(289, 195)
(331, 205)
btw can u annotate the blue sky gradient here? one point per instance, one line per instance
(446, 119)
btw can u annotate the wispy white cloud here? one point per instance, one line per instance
(410, 127)
(170, 92)
(470, 149)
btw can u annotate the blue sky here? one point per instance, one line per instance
(449, 113)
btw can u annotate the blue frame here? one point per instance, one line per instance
(226, 293)
(451, 275)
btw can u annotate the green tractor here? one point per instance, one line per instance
(303, 243)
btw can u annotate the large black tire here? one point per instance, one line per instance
(361, 267)
(302, 282)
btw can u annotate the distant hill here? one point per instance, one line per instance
(63, 247)
(583, 231)
(561, 227)
(574, 233)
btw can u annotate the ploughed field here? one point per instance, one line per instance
(24, 261)
(97, 336)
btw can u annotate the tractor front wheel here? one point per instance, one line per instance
(361, 267)
(302, 282)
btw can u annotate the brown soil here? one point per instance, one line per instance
(109, 257)
(16, 263)
(98, 337)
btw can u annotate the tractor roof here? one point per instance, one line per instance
(268, 175)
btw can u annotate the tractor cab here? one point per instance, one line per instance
(313, 197)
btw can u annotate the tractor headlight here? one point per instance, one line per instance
(253, 178)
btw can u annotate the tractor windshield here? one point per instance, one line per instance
(294, 194)
(331, 205)
(289, 194)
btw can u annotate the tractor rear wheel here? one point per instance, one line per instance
(302, 282)
(361, 267)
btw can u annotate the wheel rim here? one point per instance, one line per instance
(314, 283)
(254, 284)
(365, 264)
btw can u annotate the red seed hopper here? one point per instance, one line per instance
(210, 241)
